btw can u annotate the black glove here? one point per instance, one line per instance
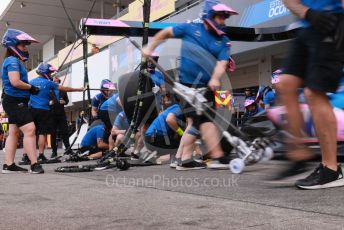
(34, 90)
(324, 22)
(339, 36)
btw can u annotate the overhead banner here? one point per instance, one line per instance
(159, 9)
(262, 12)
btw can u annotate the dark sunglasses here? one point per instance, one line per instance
(24, 43)
(223, 14)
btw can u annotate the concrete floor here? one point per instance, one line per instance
(158, 197)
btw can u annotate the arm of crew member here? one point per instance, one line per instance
(297, 8)
(70, 89)
(219, 71)
(14, 77)
(101, 144)
(172, 121)
(159, 38)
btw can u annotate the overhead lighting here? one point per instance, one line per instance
(22, 5)
(4, 4)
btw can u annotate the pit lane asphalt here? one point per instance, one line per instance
(157, 197)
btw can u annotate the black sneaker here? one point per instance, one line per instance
(191, 165)
(220, 163)
(13, 168)
(36, 168)
(292, 169)
(53, 155)
(322, 177)
(41, 158)
(134, 157)
(25, 160)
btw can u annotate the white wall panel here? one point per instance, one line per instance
(98, 69)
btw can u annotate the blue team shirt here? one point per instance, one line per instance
(334, 6)
(41, 100)
(324, 5)
(157, 78)
(160, 126)
(13, 64)
(98, 100)
(337, 99)
(121, 121)
(92, 135)
(111, 105)
(269, 98)
(200, 52)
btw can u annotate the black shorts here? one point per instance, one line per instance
(314, 58)
(189, 111)
(162, 145)
(43, 121)
(17, 110)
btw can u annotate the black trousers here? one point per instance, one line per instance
(60, 124)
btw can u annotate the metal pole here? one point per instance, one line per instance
(101, 8)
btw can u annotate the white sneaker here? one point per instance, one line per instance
(215, 164)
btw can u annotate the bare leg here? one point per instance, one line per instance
(187, 141)
(325, 125)
(111, 142)
(211, 137)
(288, 89)
(119, 139)
(41, 143)
(139, 142)
(11, 144)
(30, 141)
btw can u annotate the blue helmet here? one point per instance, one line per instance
(45, 69)
(213, 7)
(13, 37)
(107, 87)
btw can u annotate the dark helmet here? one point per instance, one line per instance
(45, 70)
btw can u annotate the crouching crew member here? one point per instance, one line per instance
(164, 134)
(95, 141)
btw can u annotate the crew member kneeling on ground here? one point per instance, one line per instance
(164, 134)
(95, 141)
(16, 95)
